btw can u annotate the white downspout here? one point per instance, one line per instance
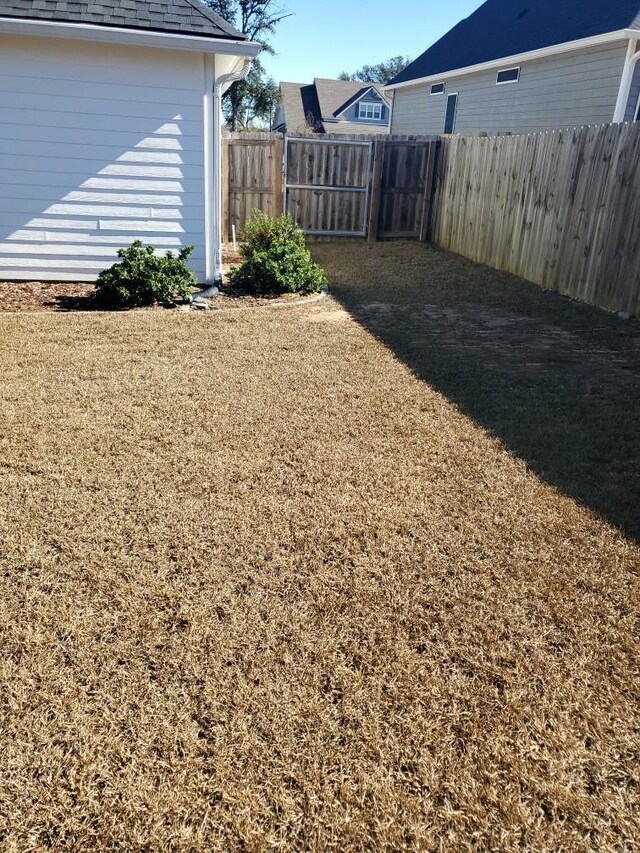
(633, 55)
(220, 86)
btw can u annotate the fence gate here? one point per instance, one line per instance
(327, 185)
(405, 189)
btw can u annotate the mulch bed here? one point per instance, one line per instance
(29, 296)
(46, 296)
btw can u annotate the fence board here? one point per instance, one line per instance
(327, 184)
(406, 180)
(561, 209)
(253, 163)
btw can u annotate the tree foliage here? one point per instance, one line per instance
(383, 72)
(254, 99)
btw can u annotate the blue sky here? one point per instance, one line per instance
(325, 37)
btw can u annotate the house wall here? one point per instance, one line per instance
(569, 89)
(99, 145)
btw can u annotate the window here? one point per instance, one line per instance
(371, 111)
(450, 117)
(509, 75)
(437, 89)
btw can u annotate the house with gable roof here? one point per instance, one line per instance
(332, 106)
(520, 66)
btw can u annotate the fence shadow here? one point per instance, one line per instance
(557, 381)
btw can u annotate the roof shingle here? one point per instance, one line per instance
(187, 17)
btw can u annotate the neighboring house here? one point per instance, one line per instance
(332, 106)
(109, 132)
(518, 66)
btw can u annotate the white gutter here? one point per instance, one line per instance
(122, 35)
(633, 55)
(515, 59)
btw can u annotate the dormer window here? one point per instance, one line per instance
(370, 111)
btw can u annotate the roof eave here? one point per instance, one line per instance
(540, 53)
(129, 36)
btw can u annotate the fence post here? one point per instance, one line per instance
(427, 199)
(224, 178)
(278, 176)
(376, 186)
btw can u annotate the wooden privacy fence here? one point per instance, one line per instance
(561, 209)
(402, 189)
(251, 176)
(327, 184)
(359, 186)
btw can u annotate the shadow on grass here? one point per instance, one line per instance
(557, 381)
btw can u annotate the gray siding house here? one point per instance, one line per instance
(332, 106)
(518, 67)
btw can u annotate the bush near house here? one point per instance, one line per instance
(276, 258)
(142, 277)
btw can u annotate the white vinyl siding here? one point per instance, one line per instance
(568, 89)
(99, 145)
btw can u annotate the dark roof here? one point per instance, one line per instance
(187, 17)
(301, 108)
(509, 27)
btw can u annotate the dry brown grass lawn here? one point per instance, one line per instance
(265, 587)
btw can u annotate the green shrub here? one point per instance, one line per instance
(276, 258)
(143, 278)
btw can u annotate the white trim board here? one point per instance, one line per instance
(519, 58)
(632, 57)
(140, 38)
